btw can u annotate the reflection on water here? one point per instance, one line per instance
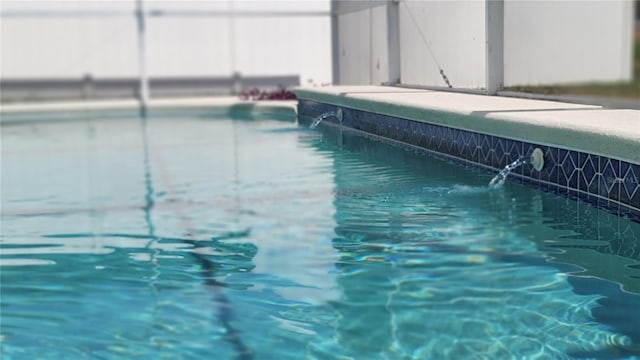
(444, 267)
(253, 239)
(145, 238)
(602, 244)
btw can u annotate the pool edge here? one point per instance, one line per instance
(285, 107)
(600, 168)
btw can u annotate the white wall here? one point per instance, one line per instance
(455, 33)
(379, 65)
(355, 47)
(188, 46)
(363, 43)
(567, 41)
(544, 42)
(285, 46)
(216, 45)
(71, 47)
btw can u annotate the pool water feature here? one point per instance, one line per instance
(500, 178)
(182, 235)
(337, 114)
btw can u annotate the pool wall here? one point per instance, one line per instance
(590, 153)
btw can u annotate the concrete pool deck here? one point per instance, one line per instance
(614, 133)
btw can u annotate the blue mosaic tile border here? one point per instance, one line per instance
(611, 184)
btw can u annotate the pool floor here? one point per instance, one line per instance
(182, 236)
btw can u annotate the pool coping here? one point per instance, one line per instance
(593, 153)
(572, 126)
(287, 107)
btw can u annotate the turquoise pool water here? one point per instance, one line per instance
(210, 236)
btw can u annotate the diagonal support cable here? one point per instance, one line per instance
(426, 43)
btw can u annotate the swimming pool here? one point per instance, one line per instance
(187, 235)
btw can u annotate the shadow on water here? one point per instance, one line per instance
(600, 252)
(614, 311)
(210, 266)
(148, 183)
(218, 258)
(231, 257)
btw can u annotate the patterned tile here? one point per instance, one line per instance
(474, 146)
(609, 175)
(527, 171)
(611, 184)
(589, 174)
(484, 150)
(549, 173)
(632, 185)
(514, 148)
(567, 167)
(573, 180)
(631, 181)
(500, 158)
